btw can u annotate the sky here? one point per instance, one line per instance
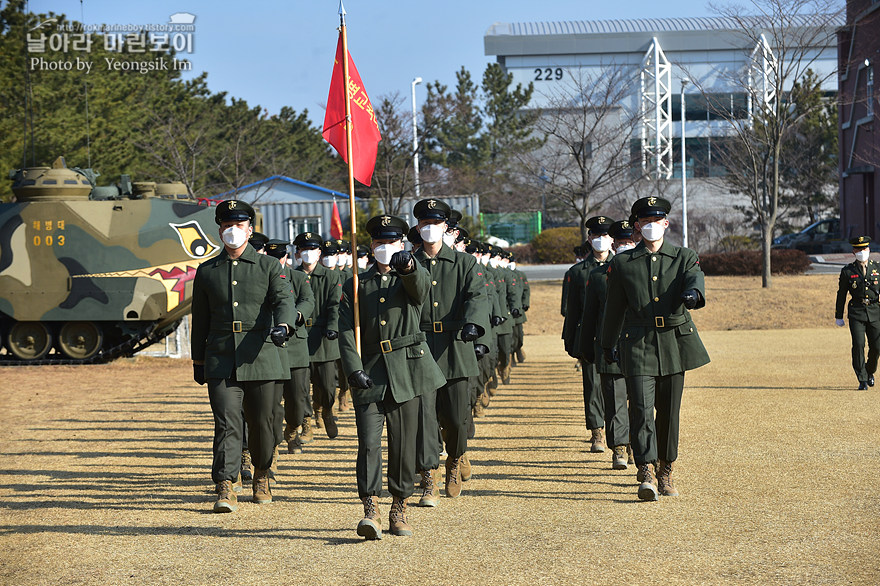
(280, 53)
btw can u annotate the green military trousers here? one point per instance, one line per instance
(323, 376)
(229, 398)
(859, 330)
(402, 423)
(594, 402)
(654, 438)
(616, 413)
(296, 399)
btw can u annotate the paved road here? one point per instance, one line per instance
(821, 265)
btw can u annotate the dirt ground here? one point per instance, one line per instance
(108, 481)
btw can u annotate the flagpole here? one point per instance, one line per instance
(348, 148)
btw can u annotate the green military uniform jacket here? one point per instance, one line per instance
(506, 300)
(393, 349)
(864, 289)
(457, 296)
(591, 320)
(327, 288)
(235, 303)
(489, 339)
(525, 294)
(643, 308)
(578, 275)
(297, 354)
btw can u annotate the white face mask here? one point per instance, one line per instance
(310, 256)
(863, 255)
(384, 252)
(653, 231)
(362, 263)
(513, 266)
(484, 259)
(625, 247)
(297, 261)
(234, 237)
(329, 261)
(602, 243)
(340, 260)
(348, 260)
(505, 263)
(494, 262)
(449, 239)
(431, 233)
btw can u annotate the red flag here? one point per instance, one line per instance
(365, 135)
(336, 224)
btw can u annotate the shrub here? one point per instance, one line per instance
(524, 253)
(554, 245)
(748, 262)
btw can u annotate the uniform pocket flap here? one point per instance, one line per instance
(686, 329)
(416, 351)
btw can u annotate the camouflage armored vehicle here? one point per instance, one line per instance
(87, 273)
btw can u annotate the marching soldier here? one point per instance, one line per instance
(650, 290)
(599, 245)
(454, 317)
(323, 328)
(578, 259)
(393, 368)
(344, 265)
(507, 309)
(525, 300)
(295, 390)
(861, 278)
(237, 297)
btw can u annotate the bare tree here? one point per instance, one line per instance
(393, 180)
(782, 39)
(586, 160)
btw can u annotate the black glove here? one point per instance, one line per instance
(279, 335)
(469, 333)
(690, 298)
(401, 261)
(300, 320)
(525, 307)
(331, 334)
(480, 350)
(199, 374)
(610, 355)
(515, 312)
(359, 380)
(497, 320)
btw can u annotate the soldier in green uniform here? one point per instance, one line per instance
(344, 265)
(241, 307)
(861, 279)
(611, 380)
(507, 309)
(650, 290)
(295, 390)
(323, 327)
(394, 367)
(599, 243)
(453, 318)
(525, 301)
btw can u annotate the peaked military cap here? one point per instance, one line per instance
(363, 250)
(387, 227)
(647, 207)
(233, 210)
(258, 240)
(344, 246)
(276, 248)
(621, 230)
(431, 209)
(860, 241)
(414, 237)
(462, 234)
(308, 240)
(329, 248)
(473, 246)
(598, 224)
(453, 219)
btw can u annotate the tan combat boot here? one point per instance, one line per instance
(453, 476)
(236, 486)
(273, 467)
(464, 468)
(227, 502)
(329, 423)
(370, 526)
(344, 404)
(306, 434)
(397, 524)
(640, 475)
(262, 492)
(618, 460)
(648, 487)
(478, 410)
(430, 489)
(664, 479)
(319, 420)
(295, 444)
(597, 440)
(247, 468)
(629, 454)
(485, 398)
(520, 355)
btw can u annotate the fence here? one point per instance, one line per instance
(515, 227)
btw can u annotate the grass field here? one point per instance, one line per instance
(107, 477)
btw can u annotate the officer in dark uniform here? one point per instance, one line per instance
(861, 279)
(241, 307)
(394, 367)
(323, 327)
(295, 390)
(650, 290)
(454, 317)
(599, 246)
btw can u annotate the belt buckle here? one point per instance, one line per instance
(385, 345)
(438, 327)
(659, 322)
(236, 327)
(309, 323)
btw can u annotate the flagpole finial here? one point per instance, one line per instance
(341, 9)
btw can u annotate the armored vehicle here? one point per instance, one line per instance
(88, 273)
